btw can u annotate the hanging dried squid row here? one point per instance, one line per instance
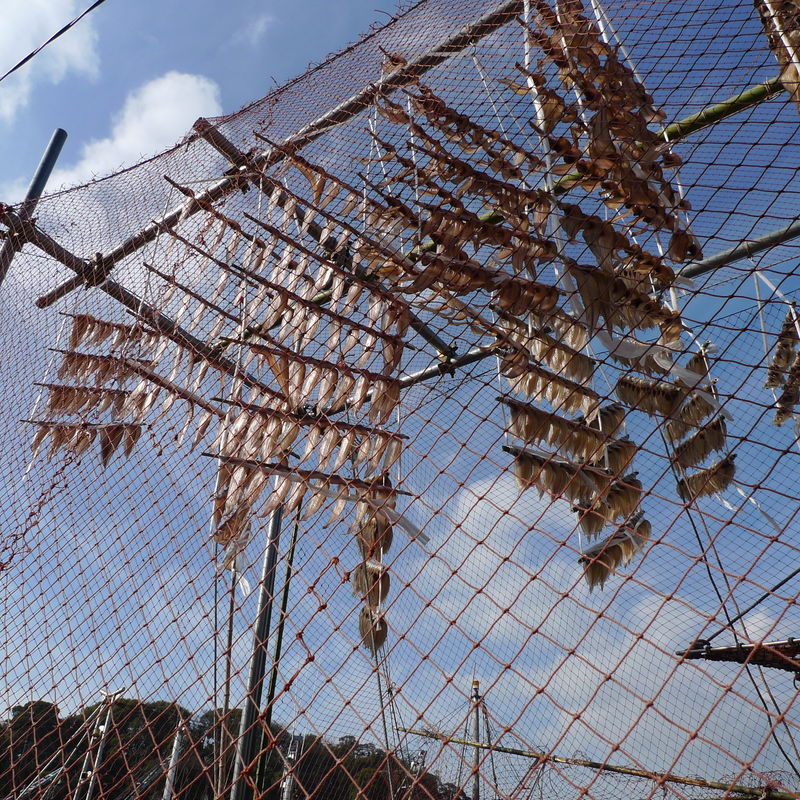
(68, 400)
(248, 477)
(536, 382)
(458, 275)
(711, 437)
(518, 295)
(509, 198)
(452, 228)
(601, 237)
(259, 436)
(112, 437)
(77, 437)
(623, 496)
(89, 330)
(712, 480)
(532, 424)
(74, 437)
(650, 395)
(504, 156)
(265, 433)
(617, 455)
(609, 297)
(609, 418)
(784, 354)
(558, 355)
(790, 396)
(291, 371)
(578, 483)
(140, 401)
(603, 558)
(644, 272)
(619, 500)
(694, 409)
(85, 366)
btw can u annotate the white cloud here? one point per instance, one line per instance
(252, 33)
(26, 26)
(579, 676)
(154, 117)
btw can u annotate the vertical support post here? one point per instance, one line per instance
(287, 784)
(278, 648)
(476, 735)
(101, 747)
(13, 245)
(247, 743)
(172, 769)
(92, 736)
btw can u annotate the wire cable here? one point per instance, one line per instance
(55, 36)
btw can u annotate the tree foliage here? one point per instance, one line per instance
(42, 755)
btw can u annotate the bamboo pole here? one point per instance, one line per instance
(746, 249)
(752, 96)
(761, 793)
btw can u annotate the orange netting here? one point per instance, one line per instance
(384, 445)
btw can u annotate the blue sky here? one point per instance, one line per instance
(131, 77)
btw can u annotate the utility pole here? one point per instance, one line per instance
(476, 736)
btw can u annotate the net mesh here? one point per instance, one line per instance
(384, 447)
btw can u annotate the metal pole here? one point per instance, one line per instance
(278, 648)
(744, 250)
(287, 784)
(476, 735)
(13, 244)
(177, 744)
(101, 748)
(92, 736)
(246, 745)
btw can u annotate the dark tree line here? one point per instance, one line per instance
(43, 755)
